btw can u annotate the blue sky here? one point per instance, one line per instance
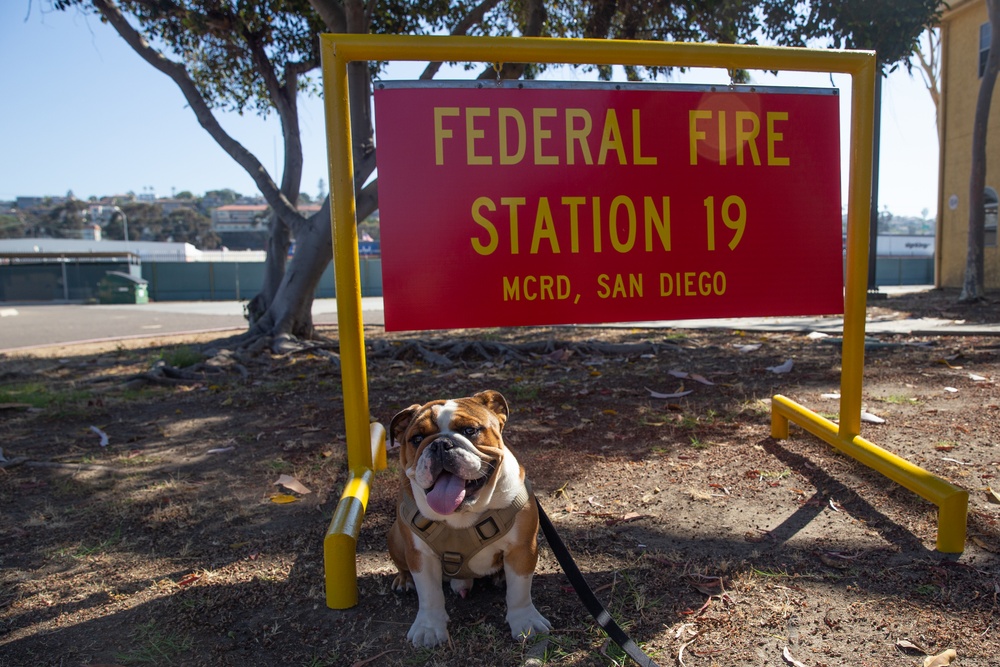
(83, 112)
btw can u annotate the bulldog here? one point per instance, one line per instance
(465, 511)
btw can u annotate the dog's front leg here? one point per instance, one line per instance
(523, 618)
(430, 627)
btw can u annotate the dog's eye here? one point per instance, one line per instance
(470, 431)
(417, 439)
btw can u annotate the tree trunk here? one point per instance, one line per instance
(972, 286)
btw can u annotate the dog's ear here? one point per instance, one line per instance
(400, 423)
(496, 403)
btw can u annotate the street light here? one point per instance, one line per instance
(124, 223)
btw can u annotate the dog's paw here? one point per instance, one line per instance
(429, 629)
(526, 621)
(402, 582)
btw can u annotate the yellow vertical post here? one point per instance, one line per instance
(340, 544)
(856, 282)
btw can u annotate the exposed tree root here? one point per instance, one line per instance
(446, 353)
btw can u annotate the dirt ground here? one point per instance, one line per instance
(709, 541)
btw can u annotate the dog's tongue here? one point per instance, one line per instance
(447, 494)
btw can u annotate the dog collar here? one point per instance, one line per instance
(457, 546)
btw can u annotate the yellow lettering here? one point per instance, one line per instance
(619, 287)
(574, 204)
(637, 157)
(774, 137)
(472, 133)
(578, 135)
(722, 138)
(747, 136)
(477, 206)
(512, 203)
(530, 296)
(544, 228)
(540, 134)
(695, 135)
(693, 284)
(660, 222)
(611, 139)
(536, 288)
(440, 133)
(619, 202)
(511, 290)
(506, 114)
(595, 210)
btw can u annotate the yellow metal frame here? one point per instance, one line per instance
(366, 444)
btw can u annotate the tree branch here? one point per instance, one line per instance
(332, 14)
(461, 28)
(110, 11)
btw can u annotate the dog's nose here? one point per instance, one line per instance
(444, 445)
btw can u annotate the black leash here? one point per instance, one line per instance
(590, 600)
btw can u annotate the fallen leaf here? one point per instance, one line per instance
(707, 585)
(701, 379)
(283, 498)
(904, 645)
(790, 660)
(656, 394)
(983, 545)
(816, 335)
(677, 374)
(947, 363)
(292, 484)
(188, 580)
(220, 450)
(992, 495)
(782, 368)
(977, 378)
(870, 418)
(833, 560)
(941, 659)
(102, 434)
(831, 396)
(950, 390)
(743, 349)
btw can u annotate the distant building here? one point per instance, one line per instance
(239, 218)
(248, 217)
(965, 46)
(29, 203)
(147, 250)
(91, 232)
(170, 205)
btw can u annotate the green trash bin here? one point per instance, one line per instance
(119, 287)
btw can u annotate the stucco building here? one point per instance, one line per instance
(965, 41)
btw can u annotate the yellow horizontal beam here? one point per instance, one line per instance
(595, 52)
(952, 501)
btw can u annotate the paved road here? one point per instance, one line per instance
(34, 325)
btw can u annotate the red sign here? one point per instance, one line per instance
(527, 205)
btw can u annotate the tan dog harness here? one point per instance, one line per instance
(457, 546)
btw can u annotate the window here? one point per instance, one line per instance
(991, 204)
(985, 35)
